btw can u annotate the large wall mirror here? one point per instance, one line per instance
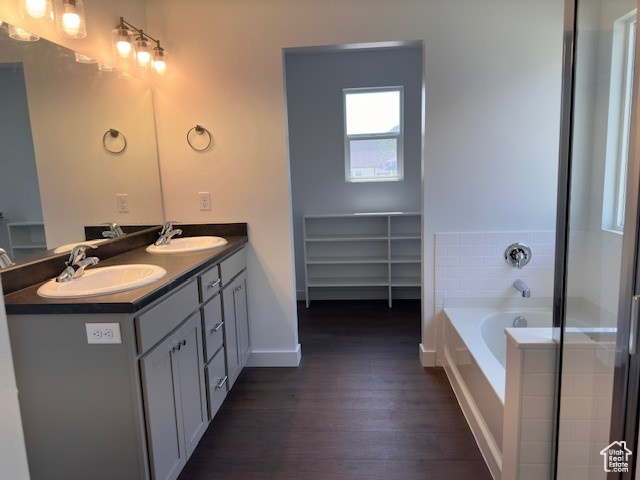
(56, 173)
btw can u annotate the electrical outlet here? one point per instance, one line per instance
(123, 202)
(103, 333)
(204, 200)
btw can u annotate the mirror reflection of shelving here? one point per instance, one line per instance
(26, 239)
(358, 251)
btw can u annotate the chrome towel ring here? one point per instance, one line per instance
(199, 130)
(114, 134)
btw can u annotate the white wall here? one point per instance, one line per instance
(314, 83)
(13, 457)
(492, 113)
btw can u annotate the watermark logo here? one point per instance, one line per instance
(616, 457)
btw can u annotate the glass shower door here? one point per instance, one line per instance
(596, 415)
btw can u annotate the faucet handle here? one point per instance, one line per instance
(79, 253)
(167, 226)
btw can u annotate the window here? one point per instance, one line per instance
(619, 126)
(374, 134)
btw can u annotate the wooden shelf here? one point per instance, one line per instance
(361, 250)
(405, 259)
(345, 238)
(348, 282)
(405, 282)
(345, 260)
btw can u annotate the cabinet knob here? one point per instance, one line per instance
(179, 346)
(184, 342)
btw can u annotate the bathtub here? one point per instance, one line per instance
(474, 360)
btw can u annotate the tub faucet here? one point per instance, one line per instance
(167, 233)
(520, 286)
(5, 259)
(76, 264)
(114, 231)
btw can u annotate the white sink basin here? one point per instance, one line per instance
(188, 245)
(67, 247)
(104, 280)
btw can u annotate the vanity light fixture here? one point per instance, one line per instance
(121, 37)
(130, 41)
(37, 9)
(18, 33)
(70, 18)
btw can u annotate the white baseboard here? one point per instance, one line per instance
(278, 358)
(427, 357)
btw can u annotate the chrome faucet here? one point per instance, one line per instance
(167, 233)
(520, 286)
(5, 259)
(114, 231)
(76, 264)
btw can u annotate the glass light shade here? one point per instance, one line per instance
(159, 60)
(19, 34)
(143, 52)
(70, 18)
(37, 9)
(103, 67)
(80, 58)
(122, 46)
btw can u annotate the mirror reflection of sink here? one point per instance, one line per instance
(188, 245)
(67, 247)
(104, 280)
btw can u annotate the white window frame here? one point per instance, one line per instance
(399, 136)
(619, 122)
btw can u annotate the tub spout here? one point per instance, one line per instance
(520, 286)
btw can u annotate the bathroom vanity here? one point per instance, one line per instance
(123, 386)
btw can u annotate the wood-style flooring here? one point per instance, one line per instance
(359, 407)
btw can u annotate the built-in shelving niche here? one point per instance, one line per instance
(379, 252)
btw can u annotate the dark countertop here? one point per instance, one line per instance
(180, 267)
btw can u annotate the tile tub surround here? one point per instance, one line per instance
(472, 265)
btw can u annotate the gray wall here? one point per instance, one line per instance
(314, 83)
(19, 193)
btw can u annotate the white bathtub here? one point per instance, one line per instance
(474, 353)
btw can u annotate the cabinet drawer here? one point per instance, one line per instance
(216, 383)
(153, 325)
(209, 283)
(212, 327)
(233, 265)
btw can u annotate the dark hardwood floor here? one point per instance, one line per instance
(359, 407)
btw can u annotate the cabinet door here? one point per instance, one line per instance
(165, 432)
(192, 384)
(242, 317)
(231, 333)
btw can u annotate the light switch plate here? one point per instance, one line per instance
(103, 333)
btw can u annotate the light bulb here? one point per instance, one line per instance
(159, 60)
(70, 18)
(19, 34)
(142, 52)
(121, 42)
(71, 23)
(124, 48)
(37, 9)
